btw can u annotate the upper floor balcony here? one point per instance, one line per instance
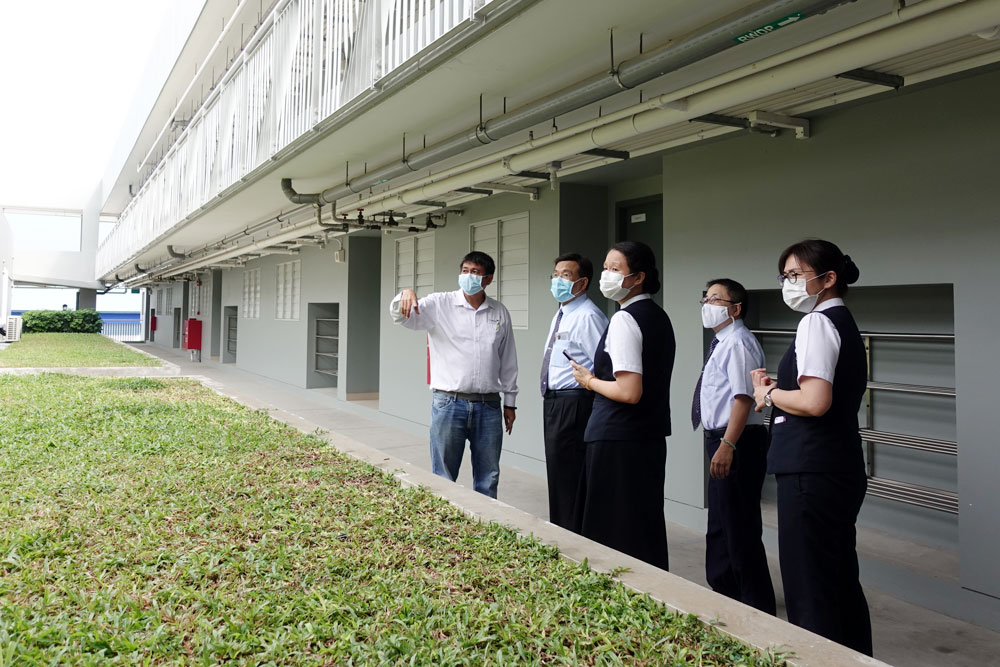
(307, 60)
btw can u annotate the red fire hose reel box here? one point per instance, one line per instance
(152, 323)
(192, 334)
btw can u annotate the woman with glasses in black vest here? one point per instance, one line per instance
(815, 451)
(621, 493)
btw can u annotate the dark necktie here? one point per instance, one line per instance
(696, 402)
(548, 353)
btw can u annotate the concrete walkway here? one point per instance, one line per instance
(904, 634)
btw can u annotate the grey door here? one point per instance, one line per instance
(231, 322)
(177, 327)
(642, 220)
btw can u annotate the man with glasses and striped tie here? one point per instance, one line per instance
(736, 444)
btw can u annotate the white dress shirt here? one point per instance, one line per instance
(624, 341)
(580, 331)
(817, 344)
(472, 350)
(727, 375)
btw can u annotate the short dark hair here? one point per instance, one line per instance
(586, 266)
(737, 293)
(823, 256)
(640, 257)
(482, 260)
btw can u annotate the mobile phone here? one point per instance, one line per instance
(566, 354)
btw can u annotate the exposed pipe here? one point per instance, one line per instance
(716, 38)
(959, 20)
(676, 97)
(174, 254)
(297, 198)
(925, 29)
(246, 231)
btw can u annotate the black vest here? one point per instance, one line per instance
(829, 443)
(650, 417)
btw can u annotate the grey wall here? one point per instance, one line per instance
(907, 186)
(403, 379)
(279, 348)
(86, 299)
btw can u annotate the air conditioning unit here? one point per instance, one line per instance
(13, 328)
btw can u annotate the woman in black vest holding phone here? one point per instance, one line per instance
(621, 493)
(815, 451)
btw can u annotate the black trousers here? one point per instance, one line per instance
(564, 416)
(622, 497)
(735, 561)
(817, 550)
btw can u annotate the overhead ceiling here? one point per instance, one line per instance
(446, 99)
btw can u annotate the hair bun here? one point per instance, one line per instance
(851, 271)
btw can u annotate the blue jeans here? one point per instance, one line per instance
(455, 420)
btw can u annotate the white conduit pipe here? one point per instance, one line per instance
(951, 23)
(875, 25)
(288, 234)
(926, 29)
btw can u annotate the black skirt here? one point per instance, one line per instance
(620, 501)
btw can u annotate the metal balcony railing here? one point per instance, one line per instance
(307, 60)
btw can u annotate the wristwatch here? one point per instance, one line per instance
(767, 398)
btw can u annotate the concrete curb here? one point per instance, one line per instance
(733, 618)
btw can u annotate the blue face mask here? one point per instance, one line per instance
(562, 289)
(470, 283)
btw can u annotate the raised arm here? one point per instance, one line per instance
(407, 310)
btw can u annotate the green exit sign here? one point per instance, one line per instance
(769, 28)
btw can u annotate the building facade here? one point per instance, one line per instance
(328, 153)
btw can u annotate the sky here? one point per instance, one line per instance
(68, 72)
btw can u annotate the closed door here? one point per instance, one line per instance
(177, 327)
(642, 220)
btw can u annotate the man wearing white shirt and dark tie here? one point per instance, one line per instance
(736, 442)
(473, 361)
(575, 332)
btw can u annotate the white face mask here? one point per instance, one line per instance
(611, 285)
(797, 298)
(712, 315)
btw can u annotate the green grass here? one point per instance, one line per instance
(66, 350)
(149, 521)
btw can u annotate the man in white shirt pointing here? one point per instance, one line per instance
(473, 361)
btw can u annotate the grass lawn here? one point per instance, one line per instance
(147, 521)
(65, 350)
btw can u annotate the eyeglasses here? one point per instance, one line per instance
(793, 276)
(565, 274)
(712, 300)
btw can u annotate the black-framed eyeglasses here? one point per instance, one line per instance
(713, 300)
(793, 276)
